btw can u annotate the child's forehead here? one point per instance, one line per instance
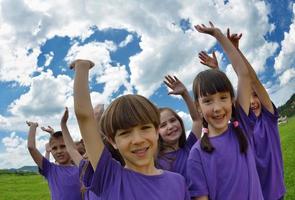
(56, 141)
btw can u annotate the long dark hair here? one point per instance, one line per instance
(209, 82)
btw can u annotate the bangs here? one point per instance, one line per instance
(210, 82)
(129, 111)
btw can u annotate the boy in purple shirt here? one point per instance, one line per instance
(130, 124)
(63, 177)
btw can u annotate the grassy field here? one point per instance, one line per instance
(25, 187)
(287, 132)
(34, 187)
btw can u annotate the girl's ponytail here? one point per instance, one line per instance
(205, 142)
(243, 142)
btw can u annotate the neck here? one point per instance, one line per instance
(146, 170)
(216, 132)
(170, 147)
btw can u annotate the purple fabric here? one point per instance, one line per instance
(225, 173)
(63, 181)
(175, 161)
(268, 155)
(111, 181)
(85, 169)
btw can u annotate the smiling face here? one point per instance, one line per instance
(170, 128)
(255, 104)
(59, 151)
(137, 146)
(217, 110)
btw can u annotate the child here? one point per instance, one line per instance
(63, 177)
(266, 140)
(76, 156)
(222, 165)
(173, 146)
(130, 124)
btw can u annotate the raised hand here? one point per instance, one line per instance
(80, 61)
(234, 38)
(207, 60)
(32, 124)
(175, 85)
(47, 148)
(212, 30)
(65, 116)
(49, 129)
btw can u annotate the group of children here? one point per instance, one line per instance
(137, 151)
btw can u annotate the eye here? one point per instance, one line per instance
(146, 127)
(54, 148)
(163, 125)
(123, 133)
(173, 119)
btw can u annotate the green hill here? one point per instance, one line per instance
(288, 109)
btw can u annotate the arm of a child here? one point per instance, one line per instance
(47, 151)
(35, 153)
(178, 88)
(244, 79)
(255, 83)
(70, 145)
(84, 111)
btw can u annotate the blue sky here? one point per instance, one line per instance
(134, 45)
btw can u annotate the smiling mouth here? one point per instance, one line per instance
(140, 152)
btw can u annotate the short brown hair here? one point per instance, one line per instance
(128, 111)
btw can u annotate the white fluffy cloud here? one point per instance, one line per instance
(165, 49)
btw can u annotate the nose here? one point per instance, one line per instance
(216, 107)
(137, 138)
(169, 125)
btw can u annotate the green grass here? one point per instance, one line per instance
(25, 187)
(287, 132)
(34, 187)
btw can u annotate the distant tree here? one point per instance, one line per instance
(288, 109)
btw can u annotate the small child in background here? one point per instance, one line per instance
(62, 177)
(266, 138)
(130, 124)
(221, 165)
(174, 147)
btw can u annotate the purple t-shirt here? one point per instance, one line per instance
(63, 181)
(112, 181)
(225, 173)
(175, 161)
(85, 169)
(268, 155)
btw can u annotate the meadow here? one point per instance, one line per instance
(34, 187)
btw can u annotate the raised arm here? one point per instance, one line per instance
(178, 88)
(84, 111)
(70, 145)
(209, 61)
(35, 153)
(244, 79)
(49, 129)
(256, 85)
(47, 151)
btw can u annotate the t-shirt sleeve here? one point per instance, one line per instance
(190, 141)
(271, 116)
(106, 173)
(246, 122)
(195, 176)
(46, 165)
